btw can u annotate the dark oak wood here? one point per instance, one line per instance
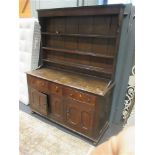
(79, 35)
(106, 69)
(79, 116)
(57, 107)
(83, 11)
(77, 81)
(38, 101)
(77, 52)
(74, 85)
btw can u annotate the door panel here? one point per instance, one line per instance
(72, 113)
(79, 115)
(86, 120)
(38, 101)
(57, 107)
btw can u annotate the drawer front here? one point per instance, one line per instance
(80, 96)
(39, 84)
(55, 89)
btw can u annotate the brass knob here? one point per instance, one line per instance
(80, 95)
(56, 88)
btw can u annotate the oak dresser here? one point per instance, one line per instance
(73, 87)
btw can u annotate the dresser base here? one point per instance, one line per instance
(93, 141)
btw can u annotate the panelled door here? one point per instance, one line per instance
(38, 101)
(72, 113)
(79, 116)
(56, 109)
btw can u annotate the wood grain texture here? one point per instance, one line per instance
(86, 83)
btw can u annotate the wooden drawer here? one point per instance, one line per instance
(55, 89)
(80, 96)
(39, 84)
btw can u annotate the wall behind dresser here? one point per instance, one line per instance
(48, 4)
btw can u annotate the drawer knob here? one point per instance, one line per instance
(80, 95)
(71, 94)
(56, 88)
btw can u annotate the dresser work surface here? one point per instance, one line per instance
(82, 82)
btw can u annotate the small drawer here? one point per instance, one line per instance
(39, 84)
(69, 92)
(56, 89)
(80, 96)
(84, 97)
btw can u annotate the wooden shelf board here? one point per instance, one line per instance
(80, 35)
(77, 52)
(106, 70)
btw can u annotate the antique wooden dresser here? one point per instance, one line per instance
(74, 85)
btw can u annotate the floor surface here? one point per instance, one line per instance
(112, 130)
(39, 136)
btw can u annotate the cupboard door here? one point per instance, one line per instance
(38, 101)
(72, 114)
(86, 120)
(80, 116)
(57, 107)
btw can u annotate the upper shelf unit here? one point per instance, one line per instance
(83, 39)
